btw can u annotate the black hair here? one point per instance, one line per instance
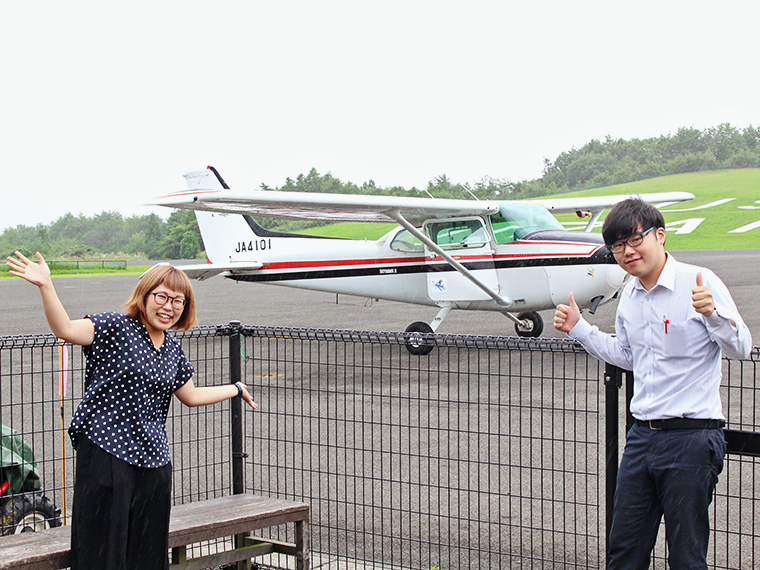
(629, 217)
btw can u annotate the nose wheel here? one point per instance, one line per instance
(529, 324)
(415, 343)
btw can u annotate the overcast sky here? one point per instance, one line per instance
(106, 105)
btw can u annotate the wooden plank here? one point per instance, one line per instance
(303, 545)
(190, 523)
(277, 546)
(221, 558)
(227, 516)
(43, 550)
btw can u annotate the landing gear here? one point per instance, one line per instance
(415, 344)
(531, 325)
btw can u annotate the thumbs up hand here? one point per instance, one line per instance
(566, 316)
(702, 298)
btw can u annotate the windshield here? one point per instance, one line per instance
(515, 220)
(458, 234)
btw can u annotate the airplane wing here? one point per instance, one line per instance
(329, 207)
(369, 208)
(594, 206)
(206, 270)
(561, 205)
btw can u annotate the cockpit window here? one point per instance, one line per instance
(457, 234)
(515, 220)
(406, 242)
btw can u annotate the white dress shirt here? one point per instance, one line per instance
(673, 351)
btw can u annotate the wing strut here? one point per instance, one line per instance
(501, 301)
(592, 221)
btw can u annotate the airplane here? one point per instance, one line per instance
(512, 256)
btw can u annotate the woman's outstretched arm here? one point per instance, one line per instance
(80, 331)
(192, 396)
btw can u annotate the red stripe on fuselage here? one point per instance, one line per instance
(316, 264)
(338, 262)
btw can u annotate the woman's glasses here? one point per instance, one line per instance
(163, 298)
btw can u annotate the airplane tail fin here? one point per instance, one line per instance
(221, 233)
(235, 238)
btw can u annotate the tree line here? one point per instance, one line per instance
(616, 161)
(109, 234)
(597, 163)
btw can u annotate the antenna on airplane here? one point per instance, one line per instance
(218, 177)
(470, 193)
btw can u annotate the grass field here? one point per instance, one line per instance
(743, 185)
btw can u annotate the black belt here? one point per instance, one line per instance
(681, 423)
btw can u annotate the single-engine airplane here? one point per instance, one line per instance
(511, 256)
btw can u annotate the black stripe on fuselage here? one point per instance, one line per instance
(421, 268)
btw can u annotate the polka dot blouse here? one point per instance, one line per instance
(128, 389)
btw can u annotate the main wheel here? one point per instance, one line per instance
(28, 512)
(535, 327)
(415, 344)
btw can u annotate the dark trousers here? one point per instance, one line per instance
(671, 473)
(120, 515)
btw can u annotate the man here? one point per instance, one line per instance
(673, 320)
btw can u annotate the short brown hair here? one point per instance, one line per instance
(174, 279)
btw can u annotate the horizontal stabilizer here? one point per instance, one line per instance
(205, 270)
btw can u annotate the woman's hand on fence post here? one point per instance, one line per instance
(247, 398)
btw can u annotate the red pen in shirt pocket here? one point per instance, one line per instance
(666, 322)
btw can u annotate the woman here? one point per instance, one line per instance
(122, 492)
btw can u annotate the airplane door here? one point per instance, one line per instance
(467, 241)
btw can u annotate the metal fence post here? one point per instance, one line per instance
(628, 397)
(236, 410)
(613, 380)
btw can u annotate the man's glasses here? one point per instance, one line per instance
(162, 298)
(634, 241)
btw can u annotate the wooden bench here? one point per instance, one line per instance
(236, 515)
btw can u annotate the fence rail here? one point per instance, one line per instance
(487, 453)
(62, 264)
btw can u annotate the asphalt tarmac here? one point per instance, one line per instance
(222, 300)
